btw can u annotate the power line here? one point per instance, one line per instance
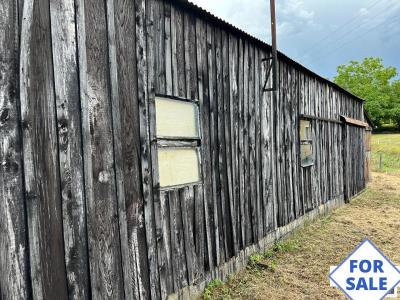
(354, 29)
(352, 20)
(351, 41)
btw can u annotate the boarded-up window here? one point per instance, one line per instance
(178, 142)
(306, 143)
(178, 166)
(176, 118)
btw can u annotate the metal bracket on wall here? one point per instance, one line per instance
(269, 69)
(274, 57)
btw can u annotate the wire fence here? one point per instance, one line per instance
(382, 162)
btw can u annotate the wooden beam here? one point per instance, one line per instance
(40, 153)
(353, 121)
(319, 118)
(66, 80)
(14, 260)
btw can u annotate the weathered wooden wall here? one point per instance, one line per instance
(252, 179)
(79, 180)
(72, 210)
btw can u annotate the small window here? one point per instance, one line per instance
(306, 143)
(177, 166)
(176, 118)
(178, 142)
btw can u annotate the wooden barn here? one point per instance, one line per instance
(140, 156)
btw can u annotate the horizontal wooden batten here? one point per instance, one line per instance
(179, 186)
(175, 98)
(178, 143)
(320, 119)
(354, 121)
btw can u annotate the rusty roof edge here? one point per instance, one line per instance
(220, 22)
(352, 121)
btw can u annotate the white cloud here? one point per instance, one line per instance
(293, 17)
(251, 16)
(309, 29)
(363, 11)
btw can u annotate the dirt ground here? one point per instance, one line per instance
(298, 268)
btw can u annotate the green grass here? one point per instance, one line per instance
(213, 288)
(258, 263)
(387, 148)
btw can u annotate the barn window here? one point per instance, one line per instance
(178, 142)
(306, 143)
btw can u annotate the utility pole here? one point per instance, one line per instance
(273, 66)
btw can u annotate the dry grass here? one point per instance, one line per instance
(298, 268)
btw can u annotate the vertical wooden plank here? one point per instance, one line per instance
(14, 259)
(103, 226)
(261, 112)
(146, 151)
(178, 53)
(234, 111)
(246, 152)
(270, 143)
(269, 182)
(301, 92)
(214, 143)
(252, 150)
(241, 162)
(199, 233)
(70, 152)
(161, 199)
(157, 84)
(123, 62)
(293, 115)
(160, 46)
(288, 142)
(201, 42)
(168, 48)
(279, 149)
(164, 245)
(40, 152)
(187, 207)
(177, 241)
(296, 142)
(257, 145)
(226, 91)
(190, 57)
(223, 176)
(195, 213)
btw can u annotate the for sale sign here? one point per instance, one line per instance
(366, 274)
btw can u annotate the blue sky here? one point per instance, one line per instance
(320, 34)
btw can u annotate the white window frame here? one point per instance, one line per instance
(177, 142)
(309, 141)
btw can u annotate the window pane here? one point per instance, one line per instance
(178, 166)
(305, 130)
(306, 154)
(176, 118)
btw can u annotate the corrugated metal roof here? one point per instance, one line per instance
(204, 14)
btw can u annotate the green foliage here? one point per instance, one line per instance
(212, 286)
(286, 246)
(376, 84)
(255, 259)
(282, 247)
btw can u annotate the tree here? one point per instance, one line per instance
(395, 110)
(373, 82)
